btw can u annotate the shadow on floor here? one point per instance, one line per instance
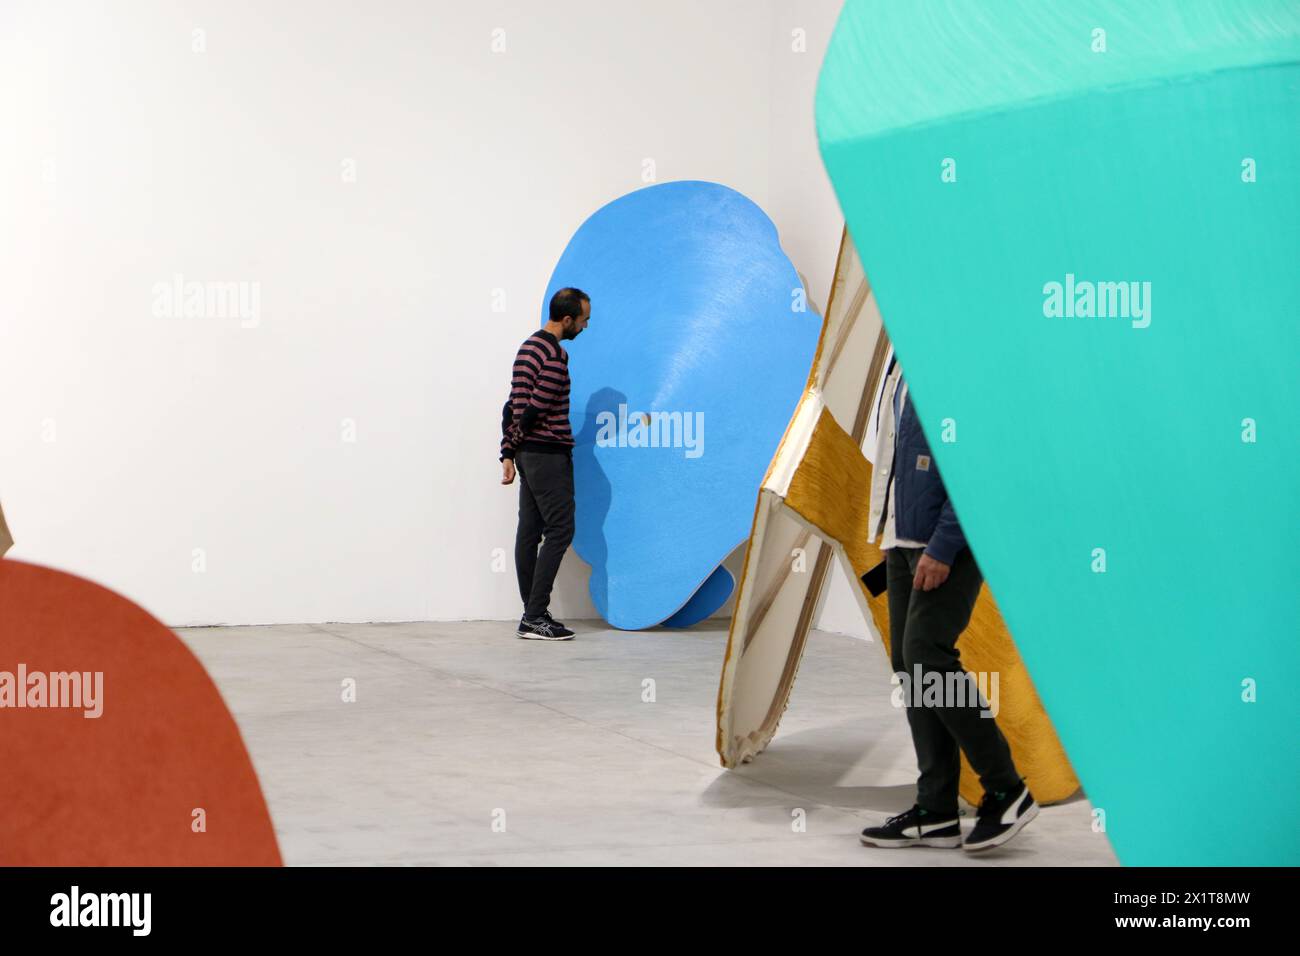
(812, 764)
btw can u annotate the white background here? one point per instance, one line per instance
(128, 440)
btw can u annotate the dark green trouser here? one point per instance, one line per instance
(923, 631)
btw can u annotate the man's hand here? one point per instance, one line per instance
(507, 471)
(929, 574)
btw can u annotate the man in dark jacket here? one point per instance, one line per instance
(933, 583)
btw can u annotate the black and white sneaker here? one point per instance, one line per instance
(916, 827)
(1000, 817)
(542, 629)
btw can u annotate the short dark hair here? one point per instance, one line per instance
(567, 304)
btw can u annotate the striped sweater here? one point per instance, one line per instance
(536, 416)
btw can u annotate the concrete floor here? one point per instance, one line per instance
(460, 729)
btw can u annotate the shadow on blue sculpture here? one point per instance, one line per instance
(713, 593)
(697, 352)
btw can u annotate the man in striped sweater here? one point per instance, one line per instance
(537, 442)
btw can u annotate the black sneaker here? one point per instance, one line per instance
(916, 827)
(542, 629)
(546, 615)
(1000, 817)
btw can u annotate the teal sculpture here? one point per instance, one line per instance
(1082, 224)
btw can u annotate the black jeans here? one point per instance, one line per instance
(923, 631)
(545, 511)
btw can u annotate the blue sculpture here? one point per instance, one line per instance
(698, 350)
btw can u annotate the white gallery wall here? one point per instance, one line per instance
(372, 198)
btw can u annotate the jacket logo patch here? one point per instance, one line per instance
(922, 462)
